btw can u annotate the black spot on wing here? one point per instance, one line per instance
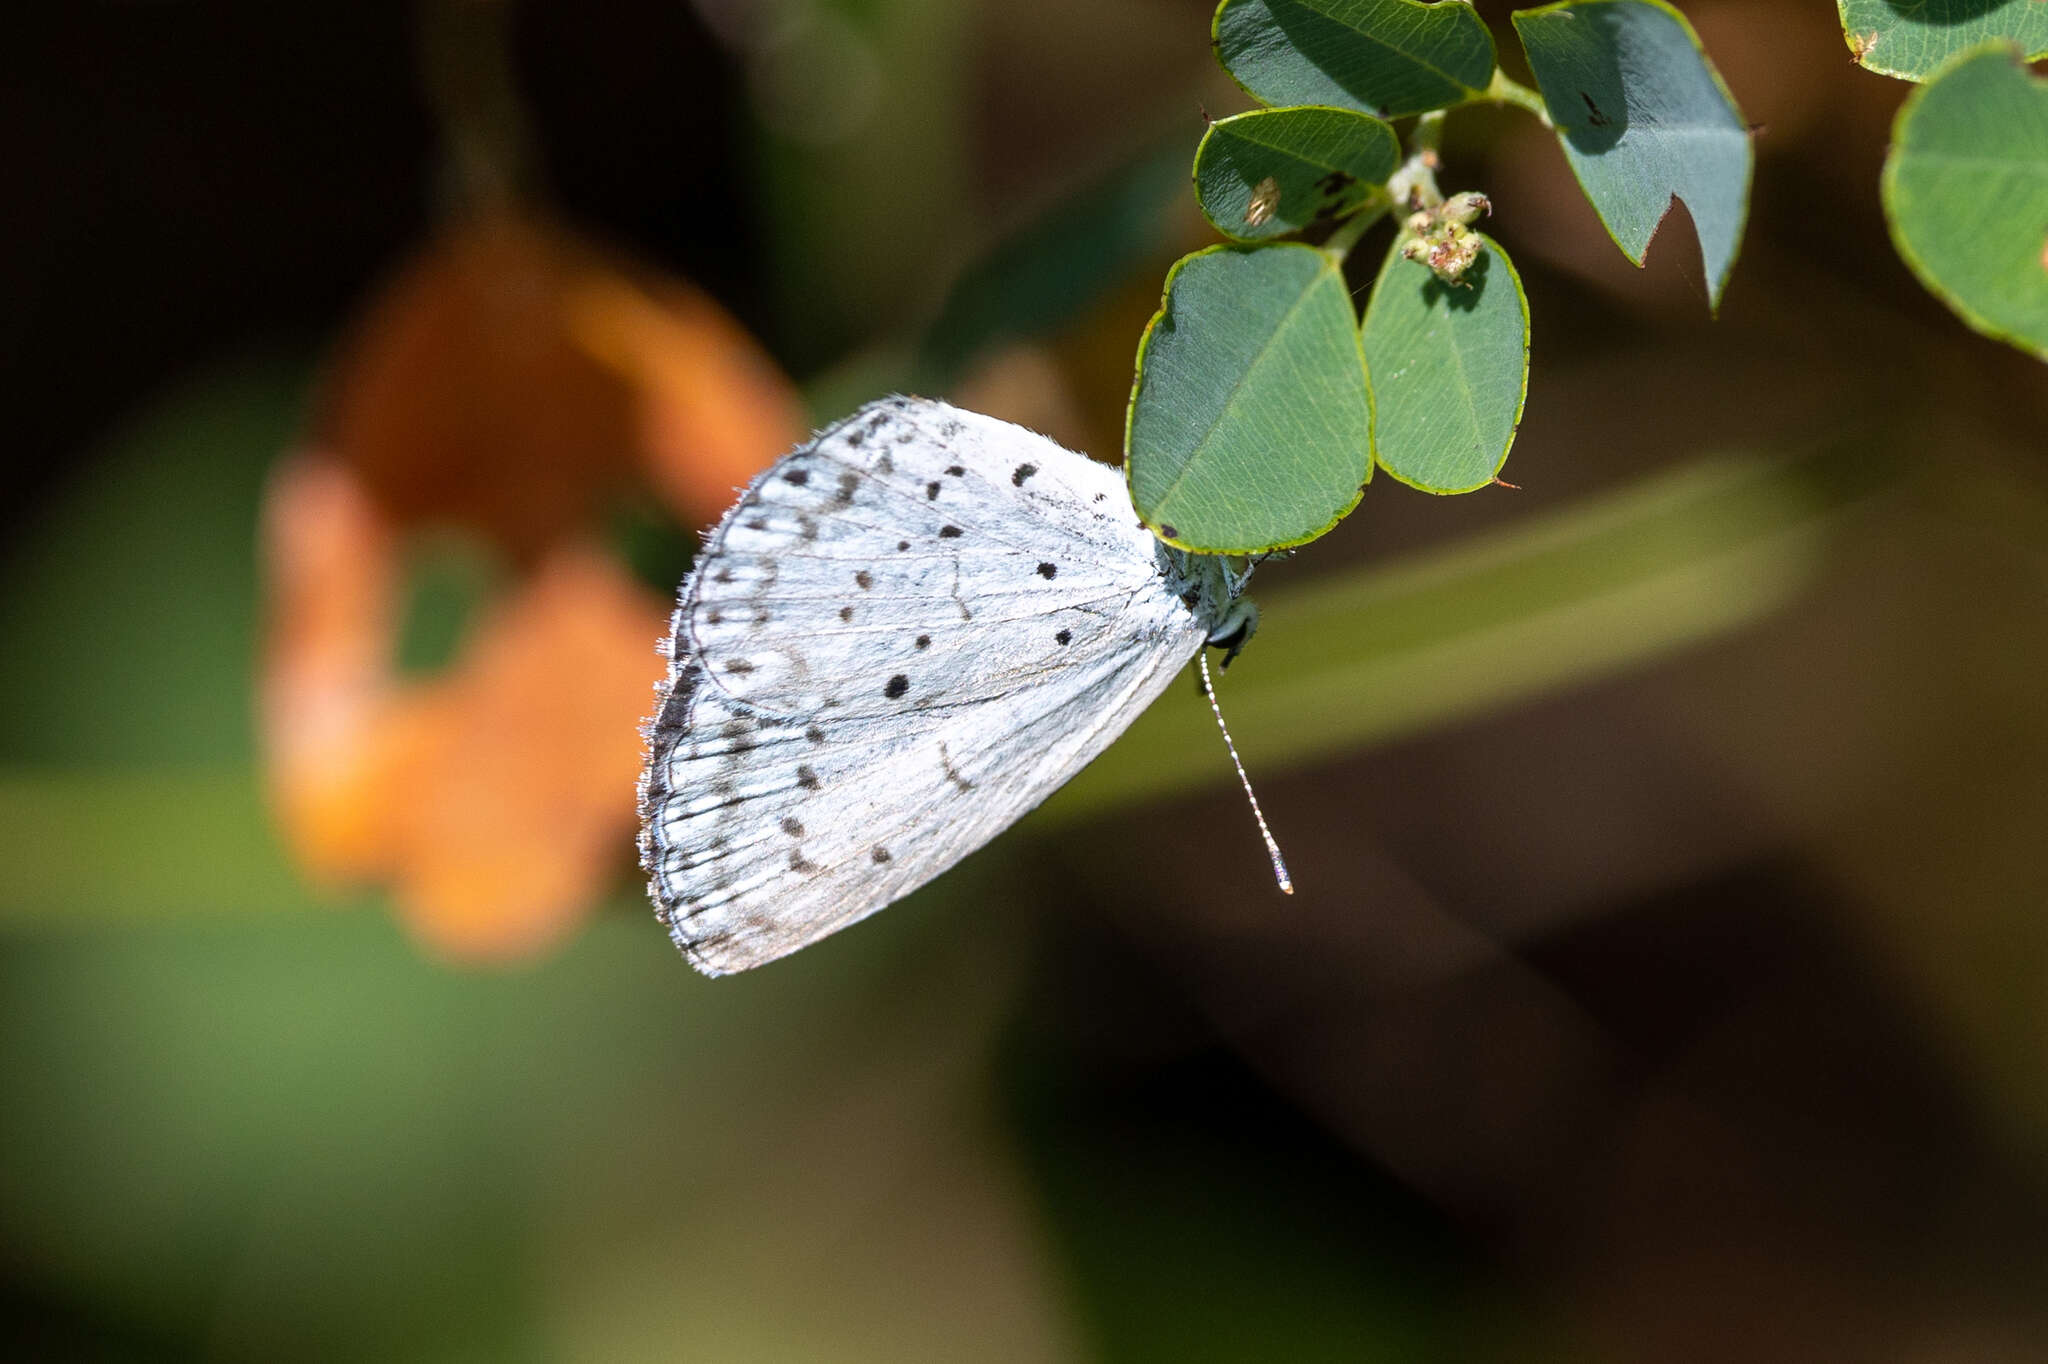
(880, 855)
(797, 476)
(897, 685)
(949, 532)
(1065, 636)
(1048, 570)
(954, 471)
(931, 491)
(806, 778)
(792, 826)
(1020, 473)
(864, 579)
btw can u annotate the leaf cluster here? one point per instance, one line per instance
(1966, 179)
(1263, 401)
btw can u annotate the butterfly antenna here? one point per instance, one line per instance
(1272, 848)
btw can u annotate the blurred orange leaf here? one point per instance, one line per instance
(510, 382)
(513, 377)
(512, 806)
(709, 400)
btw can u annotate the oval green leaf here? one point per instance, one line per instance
(1909, 41)
(1449, 365)
(1644, 120)
(1966, 193)
(1250, 426)
(1276, 171)
(1383, 57)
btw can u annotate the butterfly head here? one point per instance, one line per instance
(1214, 591)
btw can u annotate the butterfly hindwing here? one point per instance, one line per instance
(770, 834)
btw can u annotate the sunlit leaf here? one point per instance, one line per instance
(1966, 192)
(1645, 121)
(1276, 171)
(1383, 57)
(1911, 40)
(1250, 423)
(1450, 368)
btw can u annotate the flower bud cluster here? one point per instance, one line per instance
(1442, 237)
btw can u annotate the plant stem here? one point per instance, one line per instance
(1414, 185)
(1429, 133)
(1351, 229)
(1504, 91)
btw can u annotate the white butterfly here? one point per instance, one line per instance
(903, 637)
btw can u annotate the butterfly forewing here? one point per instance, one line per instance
(903, 637)
(897, 546)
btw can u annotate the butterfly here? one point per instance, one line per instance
(903, 637)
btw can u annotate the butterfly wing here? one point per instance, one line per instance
(918, 553)
(902, 694)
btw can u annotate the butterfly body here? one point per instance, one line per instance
(903, 637)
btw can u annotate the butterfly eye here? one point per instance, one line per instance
(1235, 630)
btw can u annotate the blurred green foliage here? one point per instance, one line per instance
(128, 611)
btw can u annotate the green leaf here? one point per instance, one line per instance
(1384, 57)
(1966, 193)
(1275, 171)
(1250, 425)
(1644, 119)
(1909, 41)
(1449, 366)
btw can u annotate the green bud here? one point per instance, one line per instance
(1466, 208)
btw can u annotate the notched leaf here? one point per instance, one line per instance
(1643, 117)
